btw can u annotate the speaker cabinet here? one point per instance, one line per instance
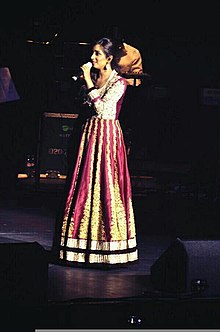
(189, 266)
(23, 274)
(56, 130)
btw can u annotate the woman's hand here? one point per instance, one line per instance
(86, 68)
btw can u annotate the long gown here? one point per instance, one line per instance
(98, 224)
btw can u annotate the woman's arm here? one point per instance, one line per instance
(106, 106)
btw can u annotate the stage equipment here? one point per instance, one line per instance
(23, 274)
(210, 96)
(8, 91)
(136, 76)
(55, 132)
(189, 266)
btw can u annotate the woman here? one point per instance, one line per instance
(98, 224)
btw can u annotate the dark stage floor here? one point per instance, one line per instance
(92, 298)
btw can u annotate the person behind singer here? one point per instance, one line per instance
(129, 62)
(97, 224)
(129, 57)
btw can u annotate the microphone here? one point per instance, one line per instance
(80, 73)
(78, 76)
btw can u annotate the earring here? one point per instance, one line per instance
(105, 68)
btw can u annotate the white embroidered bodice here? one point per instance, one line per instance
(106, 99)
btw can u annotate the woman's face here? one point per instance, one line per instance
(98, 57)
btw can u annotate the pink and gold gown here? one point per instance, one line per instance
(98, 225)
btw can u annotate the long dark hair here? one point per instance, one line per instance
(110, 48)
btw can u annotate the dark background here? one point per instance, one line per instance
(179, 43)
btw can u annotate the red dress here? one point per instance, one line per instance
(98, 223)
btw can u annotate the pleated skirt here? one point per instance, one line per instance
(98, 224)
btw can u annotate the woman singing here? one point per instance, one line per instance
(97, 226)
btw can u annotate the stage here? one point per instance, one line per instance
(92, 298)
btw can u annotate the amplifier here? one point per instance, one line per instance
(56, 131)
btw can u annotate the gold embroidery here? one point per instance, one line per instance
(73, 256)
(103, 259)
(131, 219)
(69, 203)
(84, 223)
(101, 245)
(113, 259)
(121, 223)
(111, 188)
(97, 228)
(113, 245)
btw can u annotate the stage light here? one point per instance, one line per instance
(199, 285)
(135, 321)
